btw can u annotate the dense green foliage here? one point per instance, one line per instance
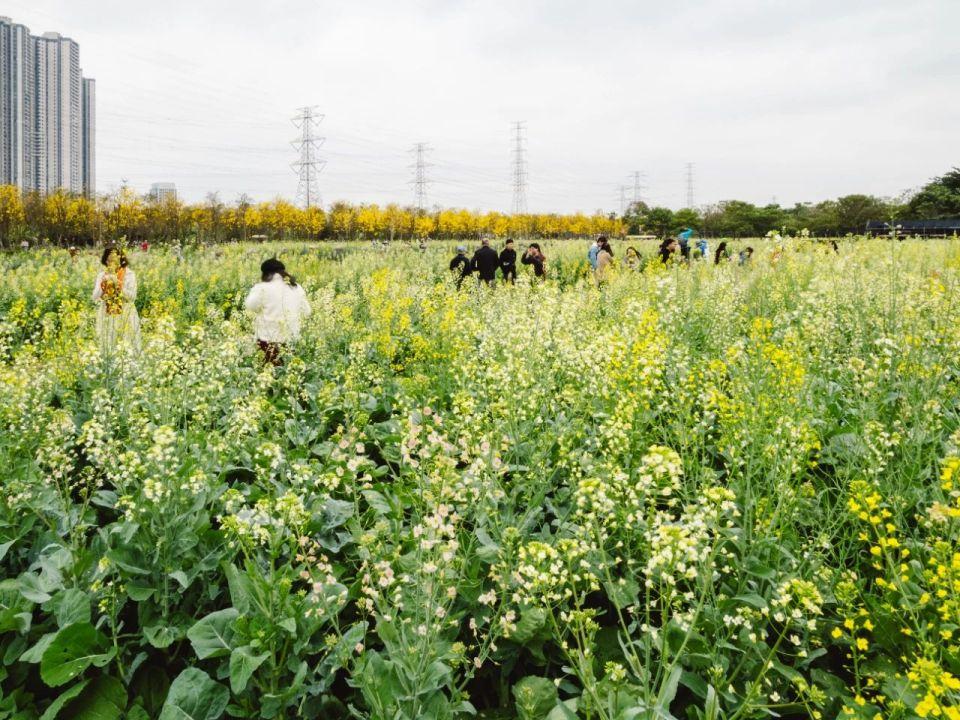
(696, 492)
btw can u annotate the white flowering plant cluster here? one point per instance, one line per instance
(698, 491)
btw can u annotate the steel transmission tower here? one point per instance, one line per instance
(622, 189)
(309, 165)
(690, 185)
(420, 181)
(519, 206)
(638, 187)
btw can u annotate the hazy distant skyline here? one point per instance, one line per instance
(800, 101)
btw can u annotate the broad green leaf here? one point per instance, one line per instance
(534, 697)
(160, 636)
(35, 653)
(103, 699)
(531, 622)
(71, 606)
(243, 663)
(4, 547)
(211, 636)
(62, 699)
(240, 590)
(72, 651)
(194, 696)
(711, 708)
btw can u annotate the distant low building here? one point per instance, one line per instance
(160, 191)
(923, 228)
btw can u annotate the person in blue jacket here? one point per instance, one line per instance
(594, 252)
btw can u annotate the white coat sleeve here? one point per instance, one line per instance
(254, 301)
(97, 290)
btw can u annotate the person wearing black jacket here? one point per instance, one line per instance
(460, 266)
(534, 256)
(485, 262)
(508, 262)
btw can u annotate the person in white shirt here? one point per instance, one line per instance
(115, 293)
(278, 306)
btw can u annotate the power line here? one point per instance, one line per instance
(690, 185)
(519, 206)
(622, 190)
(420, 181)
(309, 165)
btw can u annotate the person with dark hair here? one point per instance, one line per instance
(594, 252)
(508, 262)
(632, 258)
(722, 253)
(534, 256)
(485, 262)
(278, 305)
(745, 255)
(604, 261)
(667, 249)
(460, 266)
(115, 293)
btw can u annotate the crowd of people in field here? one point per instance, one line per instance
(486, 261)
(278, 303)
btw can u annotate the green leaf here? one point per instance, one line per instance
(711, 708)
(376, 501)
(35, 653)
(34, 588)
(71, 606)
(72, 651)
(62, 699)
(534, 697)
(4, 547)
(139, 593)
(160, 636)
(103, 699)
(243, 663)
(240, 590)
(211, 636)
(531, 622)
(194, 696)
(669, 690)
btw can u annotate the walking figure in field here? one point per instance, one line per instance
(485, 262)
(508, 262)
(115, 292)
(534, 256)
(278, 305)
(460, 266)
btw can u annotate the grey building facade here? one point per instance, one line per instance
(48, 124)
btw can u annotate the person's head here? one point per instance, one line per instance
(461, 249)
(632, 253)
(749, 251)
(272, 267)
(722, 246)
(113, 258)
(535, 248)
(509, 243)
(485, 242)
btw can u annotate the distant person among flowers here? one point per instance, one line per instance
(508, 262)
(594, 252)
(703, 248)
(668, 248)
(721, 254)
(744, 256)
(115, 292)
(460, 265)
(604, 261)
(534, 256)
(632, 259)
(485, 262)
(278, 305)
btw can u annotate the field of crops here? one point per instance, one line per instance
(714, 492)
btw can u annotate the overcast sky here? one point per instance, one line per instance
(798, 101)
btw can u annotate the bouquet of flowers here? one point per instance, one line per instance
(112, 288)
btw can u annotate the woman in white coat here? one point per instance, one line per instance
(115, 293)
(278, 305)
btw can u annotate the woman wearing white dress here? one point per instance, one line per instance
(115, 292)
(278, 305)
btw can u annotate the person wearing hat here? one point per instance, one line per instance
(278, 305)
(485, 262)
(460, 266)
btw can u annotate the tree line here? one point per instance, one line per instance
(65, 218)
(940, 198)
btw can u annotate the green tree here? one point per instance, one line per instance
(659, 221)
(940, 198)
